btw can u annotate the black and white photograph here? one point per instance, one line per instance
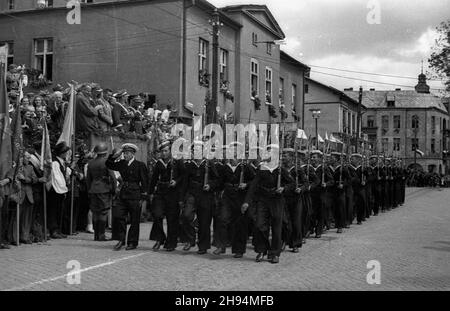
(224, 150)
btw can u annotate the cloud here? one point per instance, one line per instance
(422, 47)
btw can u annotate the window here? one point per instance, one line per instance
(254, 39)
(370, 121)
(415, 122)
(306, 88)
(433, 125)
(10, 45)
(390, 99)
(281, 92)
(11, 4)
(203, 76)
(384, 144)
(223, 65)
(353, 123)
(203, 55)
(43, 57)
(344, 121)
(396, 122)
(396, 144)
(414, 144)
(269, 48)
(349, 122)
(254, 77)
(49, 3)
(86, 1)
(385, 122)
(433, 145)
(268, 89)
(294, 95)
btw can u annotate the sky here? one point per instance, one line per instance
(351, 35)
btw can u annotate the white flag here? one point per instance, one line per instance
(320, 139)
(69, 126)
(301, 134)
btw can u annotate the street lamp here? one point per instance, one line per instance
(316, 114)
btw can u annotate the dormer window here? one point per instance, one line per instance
(390, 101)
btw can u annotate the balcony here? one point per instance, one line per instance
(370, 130)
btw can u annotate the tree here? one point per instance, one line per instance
(439, 60)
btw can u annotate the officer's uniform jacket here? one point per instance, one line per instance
(134, 177)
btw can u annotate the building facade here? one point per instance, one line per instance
(338, 112)
(163, 48)
(399, 122)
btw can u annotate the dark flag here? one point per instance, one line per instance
(17, 152)
(5, 126)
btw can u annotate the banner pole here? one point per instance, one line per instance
(45, 212)
(18, 222)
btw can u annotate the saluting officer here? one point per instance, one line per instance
(165, 185)
(266, 192)
(134, 188)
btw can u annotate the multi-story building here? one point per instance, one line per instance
(399, 122)
(338, 112)
(163, 48)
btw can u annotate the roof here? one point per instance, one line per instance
(343, 95)
(403, 99)
(250, 9)
(293, 61)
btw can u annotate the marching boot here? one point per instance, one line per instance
(95, 227)
(219, 250)
(101, 227)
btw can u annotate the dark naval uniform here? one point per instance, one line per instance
(166, 201)
(313, 181)
(349, 197)
(269, 209)
(199, 202)
(134, 183)
(370, 180)
(359, 183)
(229, 213)
(341, 176)
(295, 203)
(318, 199)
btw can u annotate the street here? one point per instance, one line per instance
(411, 244)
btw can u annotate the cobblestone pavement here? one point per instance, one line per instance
(411, 243)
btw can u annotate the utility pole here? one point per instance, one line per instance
(358, 119)
(212, 110)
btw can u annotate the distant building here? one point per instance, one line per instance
(398, 122)
(338, 112)
(163, 48)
